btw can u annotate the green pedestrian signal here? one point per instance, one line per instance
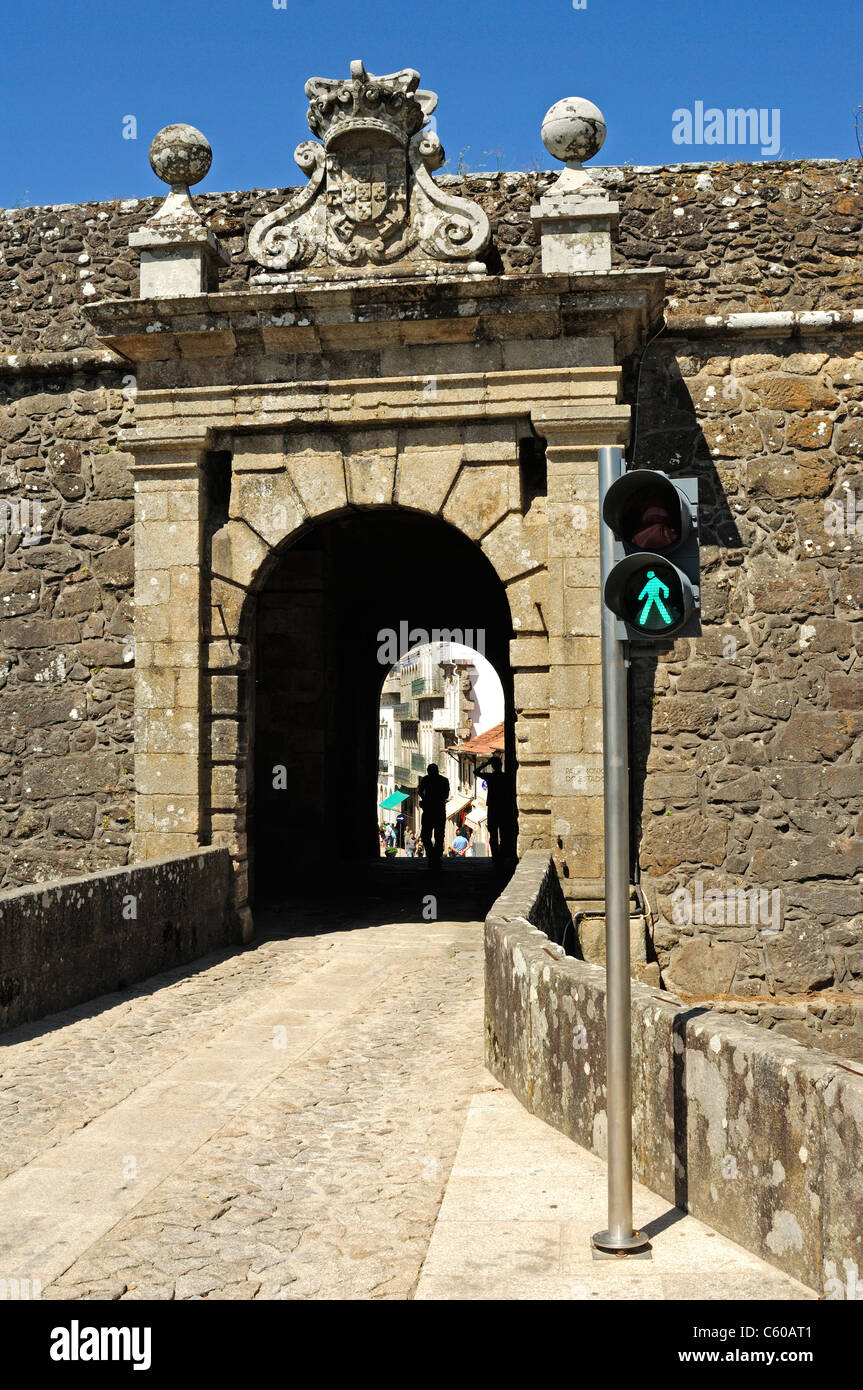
(651, 591)
(652, 599)
(654, 517)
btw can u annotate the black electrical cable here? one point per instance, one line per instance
(635, 412)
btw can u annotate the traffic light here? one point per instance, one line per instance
(653, 586)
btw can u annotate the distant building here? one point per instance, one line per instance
(427, 708)
(386, 784)
(471, 755)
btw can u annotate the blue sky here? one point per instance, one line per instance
(70, 72)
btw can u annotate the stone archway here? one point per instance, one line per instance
(214, 504)
(321, 625)
(465, 481)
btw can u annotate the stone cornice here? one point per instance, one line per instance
(24, 364)
(175, 419)
(169, 454)
(570, 425)
(781, 323)
(625, 304)
(776, 324)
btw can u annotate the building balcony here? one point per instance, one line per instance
(404, 776)
(443, 721)
(418, 762)
(428, 685)
(404, 711)
(383, 765)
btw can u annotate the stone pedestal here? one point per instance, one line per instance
(577, 222)
(576, 233)
(178, 261)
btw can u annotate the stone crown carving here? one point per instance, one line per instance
(365, 102)
(371, 201)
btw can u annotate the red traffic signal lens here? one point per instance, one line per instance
(646, 511)
(651, 525)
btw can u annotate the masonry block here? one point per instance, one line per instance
(515, 549)
(482, 495)
(319, 479)
(423, 479)
(269, 504)
(370, 476)
(531, 690)
(237, 552)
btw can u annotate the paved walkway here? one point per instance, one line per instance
(522, 1203)
(282, 1123)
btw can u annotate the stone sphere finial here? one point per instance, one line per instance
(573, 130)
(180, 155)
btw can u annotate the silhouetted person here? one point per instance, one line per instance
(496, 803)
(433, 793)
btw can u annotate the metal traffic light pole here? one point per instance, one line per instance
(620, 1237)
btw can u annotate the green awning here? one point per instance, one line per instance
(394, 800)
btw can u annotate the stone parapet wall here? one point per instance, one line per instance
(756, 1135)
(731, 237)
(827, 1020)
(67, 942)
(745, 237)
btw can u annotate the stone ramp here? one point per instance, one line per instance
(279, 1124)
(522, 1203)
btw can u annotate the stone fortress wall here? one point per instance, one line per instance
(748, 744)
(72, 941)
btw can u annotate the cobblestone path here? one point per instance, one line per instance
(278, 1123)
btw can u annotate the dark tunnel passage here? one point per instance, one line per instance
(320, 650)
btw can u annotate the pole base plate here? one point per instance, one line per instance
(605, 1246)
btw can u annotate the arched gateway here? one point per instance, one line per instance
(333, 605)
(376, 393)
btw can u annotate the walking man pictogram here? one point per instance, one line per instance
(652, 589)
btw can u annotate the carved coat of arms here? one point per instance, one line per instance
(370, 200)
(367, 202)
